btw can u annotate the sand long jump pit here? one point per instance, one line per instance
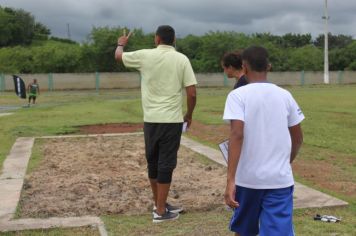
(104, 175)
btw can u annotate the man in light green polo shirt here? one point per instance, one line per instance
(164, 73)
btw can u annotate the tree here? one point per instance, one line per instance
(212, 48)
(190, 46)
(5, 32)
(56, 57)
(18, 27)
(334, 41)
(350, 54)
(296, 40)
(305, 58)
(104, 42)
(41, 31)
(343, 58)
(268, 37)
(352, 66)
(290, 52)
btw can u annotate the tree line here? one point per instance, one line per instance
(26, 46)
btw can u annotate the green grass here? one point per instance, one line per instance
(330, 113)
(36, 155)
(329, 136)
(305, 225)
(197, 223)
(67, 111)
(82, 231)
(330, 116)
(216, 223)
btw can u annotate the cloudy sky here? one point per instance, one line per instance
(192, 16)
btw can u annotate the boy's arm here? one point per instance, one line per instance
(296, 135)
(191, 101)
(235, 145)
(118, 53)
(121, 43)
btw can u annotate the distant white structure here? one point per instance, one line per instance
(326, 53)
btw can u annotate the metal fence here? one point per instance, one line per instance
(97, 81)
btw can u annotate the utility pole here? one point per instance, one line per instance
(68, 31)
(326, 53)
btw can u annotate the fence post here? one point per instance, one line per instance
(50, 82)
(340, 75)
(2, 82)
(302, 78)
(97, 81)
(226, 81)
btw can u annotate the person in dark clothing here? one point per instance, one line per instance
(165, 73)
(232, 65)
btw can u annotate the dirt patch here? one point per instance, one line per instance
(111, 128)
(107, 175)
(210, 133)
(321, 173)
(325, 175)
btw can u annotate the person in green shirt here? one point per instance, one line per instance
(165, 74)
(33, 90)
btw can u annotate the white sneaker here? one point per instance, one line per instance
(171, 208)
(165, 217)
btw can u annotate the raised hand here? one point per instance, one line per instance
(123, 40)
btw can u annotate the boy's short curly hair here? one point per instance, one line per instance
(257, 58)
(233, 59)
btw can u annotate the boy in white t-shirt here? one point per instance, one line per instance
(265, 137)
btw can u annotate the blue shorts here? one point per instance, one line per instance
(263, 211)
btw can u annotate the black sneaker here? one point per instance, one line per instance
(327, 218)
(171, 208)
(165, 217)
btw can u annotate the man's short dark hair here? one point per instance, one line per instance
(257, 58)
(233, 59)
(166, 33)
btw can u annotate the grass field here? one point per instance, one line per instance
(329, 140)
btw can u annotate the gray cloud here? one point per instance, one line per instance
(192, 16)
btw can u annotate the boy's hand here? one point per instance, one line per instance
(230, 195)
(188, 118)
(123, 40)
